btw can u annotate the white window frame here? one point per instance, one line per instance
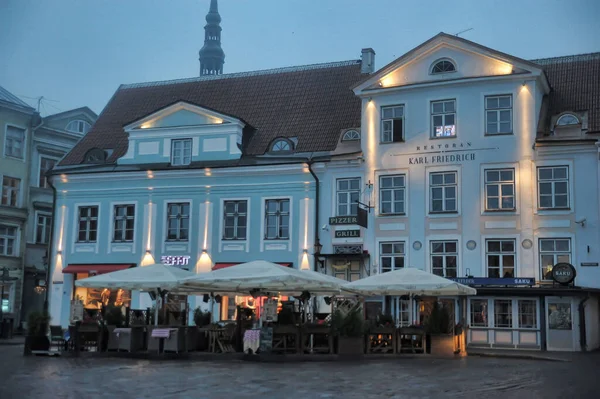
(23, 143)
(542, 269)
(236, 216)
(499, 185)
(125, 218)
(351, 135)
(443, 186)
(497, 111)
(501, 254)
(444, 114)
(488, 324)
(444, 254)
(392, 255)
(390, 120)
(15, 238)
(348, 196)
(568, 114)
(279, 214)
(40, 174)
(283, 146)
(393, 190)
(181, 159)
(515, 313)
(179, 220)
(10, 190)
(9, 288)
(537, 313)
(553, 182)
(82, 126)
(89, 220)
(47, 229)
(436, 62)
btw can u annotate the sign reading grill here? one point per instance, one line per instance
(347, 233)
(336, 220)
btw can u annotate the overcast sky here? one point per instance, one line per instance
(77, 52)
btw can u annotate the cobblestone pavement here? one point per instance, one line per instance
(473, 377)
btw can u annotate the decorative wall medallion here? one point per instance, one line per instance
(471, 245)
(527, 243)
(417, 245)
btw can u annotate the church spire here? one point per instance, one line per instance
(212, 56)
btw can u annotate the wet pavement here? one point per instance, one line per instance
(472, 377)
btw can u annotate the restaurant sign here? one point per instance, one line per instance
(347, 233)
(513, 281)
(563, 273)
(178, 260)
(335, 220)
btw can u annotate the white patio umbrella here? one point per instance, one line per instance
(409, 281)
(152, 278)
(263, 276)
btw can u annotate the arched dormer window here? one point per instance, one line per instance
(282, 145)
(442, 66)
(78, 126)
(567, 120)
(95, 155)
(351, 135)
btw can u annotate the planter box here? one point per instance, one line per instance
(351, 346)
(442, 345)
(113, 341)
(36, 343)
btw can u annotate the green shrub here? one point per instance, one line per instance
(201, 318)
(113, 316)
(37, 323)
(350, 324)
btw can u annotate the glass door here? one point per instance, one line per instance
(559, 324)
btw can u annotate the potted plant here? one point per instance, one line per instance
(349, 329)
(37, 329)
(113, 318)
(438, 326)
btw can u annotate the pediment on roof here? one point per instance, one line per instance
(182, 114)
(463, 59)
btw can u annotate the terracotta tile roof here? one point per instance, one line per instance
(313, 103)
(575, 82)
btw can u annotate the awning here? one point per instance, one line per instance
(95, 269)
(224, 265)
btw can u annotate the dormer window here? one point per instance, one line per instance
(351, 135)
(78, 126)
(95, 155)
(442, 66)
(567, 120)
(282, 145)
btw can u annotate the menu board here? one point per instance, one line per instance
(266, 339)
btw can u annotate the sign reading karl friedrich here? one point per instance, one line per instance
(434, 159)
(443, 153)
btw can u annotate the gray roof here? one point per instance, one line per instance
(8, 97)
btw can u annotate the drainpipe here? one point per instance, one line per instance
(50, 242)
(582, 335)
(317, 190)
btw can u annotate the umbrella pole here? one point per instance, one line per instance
(156, 310)
(212, 306)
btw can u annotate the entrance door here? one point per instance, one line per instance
(560, 325)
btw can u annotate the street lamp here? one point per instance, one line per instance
(318, 247)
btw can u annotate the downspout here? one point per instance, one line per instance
(582, 334)
(50, 243)
(317, 191)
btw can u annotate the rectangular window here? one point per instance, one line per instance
(123, 223)
(15, 142)
(500, 255)
(392, 124)
(181, 152)
(391, 256)
(343, 271)
(391, 194)
(553, 187)
(42, 228)
(498, 114)
(10, 191)
(348, 193)
(479, 313)
(553, 251)
(8, 240)
(6, 301)
(443, 118)
(234, 220)
(88, 224)
(500, 190)
(503, 313)
(178, 221)
(443, 189)
(527, 313)
(46, 164)
(444, 258)
(277, 219)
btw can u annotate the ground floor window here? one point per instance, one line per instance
(504, 313)
(96, 298)
(230, 305)
(6, 300)
(559, 316)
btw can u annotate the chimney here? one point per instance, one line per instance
(367, 60)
